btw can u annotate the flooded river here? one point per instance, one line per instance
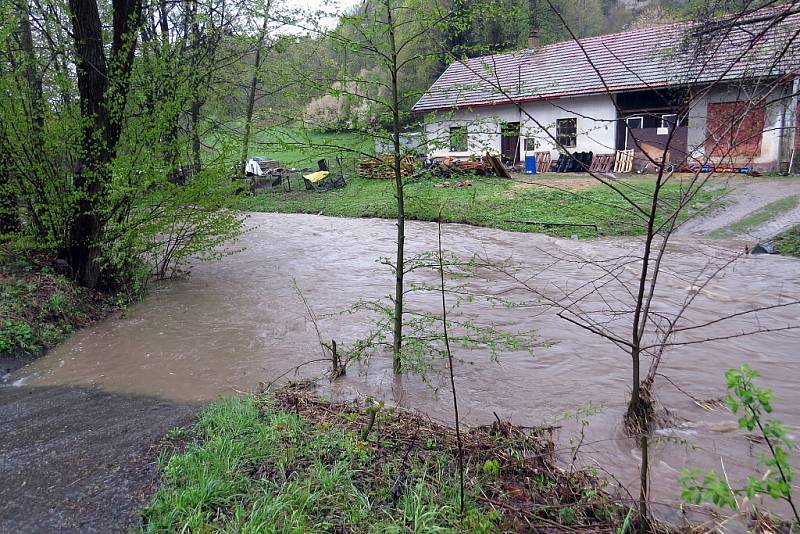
(238, 322)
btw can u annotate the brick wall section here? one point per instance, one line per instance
(734, 129)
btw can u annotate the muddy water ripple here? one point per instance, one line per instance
(238, 322)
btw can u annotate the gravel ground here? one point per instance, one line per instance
(745, 197)
(79, 460)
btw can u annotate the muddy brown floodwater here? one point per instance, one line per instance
(238, 322)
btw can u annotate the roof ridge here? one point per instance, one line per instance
(582, 40)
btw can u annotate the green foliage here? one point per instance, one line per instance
(15, 335)
(490, 201)
(567, 515)
(253, 467)
(156, 199)
(491, 467)
(255, 464)
(57, 303)
(39, 307)
(174, 223)
(751, 404)
(788, 241)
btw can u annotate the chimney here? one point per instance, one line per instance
(533, 39)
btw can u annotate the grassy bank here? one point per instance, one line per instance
(293, 463)
(494, 202)
(788, 241)
(39, 306)
(756, 218)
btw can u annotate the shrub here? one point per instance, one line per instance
(16, 336)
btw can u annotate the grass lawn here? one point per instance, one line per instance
(756, 218)
(788, 241)
(294, 146)
(490, 201)
(302, 148)
(294, 463)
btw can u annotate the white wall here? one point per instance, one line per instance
(483, 130)
(596, 116)
(596, 119)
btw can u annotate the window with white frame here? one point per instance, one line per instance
(669, 120)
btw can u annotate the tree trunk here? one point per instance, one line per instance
(32, 78)
(251, 96)
(9, 222)
(102, 108)
(397, 338)
(197, 161)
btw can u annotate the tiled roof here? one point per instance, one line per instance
(674, 54)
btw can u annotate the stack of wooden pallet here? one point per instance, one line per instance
(383, 168)
(623, 161)
(456, 166)
(543, 161)
(602, 163)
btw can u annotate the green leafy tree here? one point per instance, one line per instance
(95, 138)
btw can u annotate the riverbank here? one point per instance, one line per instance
(40, 306)
(292, 462)
(788, 241)
(557, 205)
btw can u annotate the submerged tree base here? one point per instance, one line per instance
(291, 462)
(641, 413)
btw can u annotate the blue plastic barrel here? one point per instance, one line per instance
(530, 164)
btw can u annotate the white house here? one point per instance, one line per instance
(723, 92)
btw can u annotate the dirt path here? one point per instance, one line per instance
(79, 460)
(745, 197)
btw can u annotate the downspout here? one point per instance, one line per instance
(793, 130)
(784, 164)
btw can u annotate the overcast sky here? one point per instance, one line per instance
(330, 6)
(313, 6)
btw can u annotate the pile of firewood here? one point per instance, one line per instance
(383, 168)
(485, 166)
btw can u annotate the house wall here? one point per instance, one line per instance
(596, 120)
(775, 131)
(483, 130)
(597, 123)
